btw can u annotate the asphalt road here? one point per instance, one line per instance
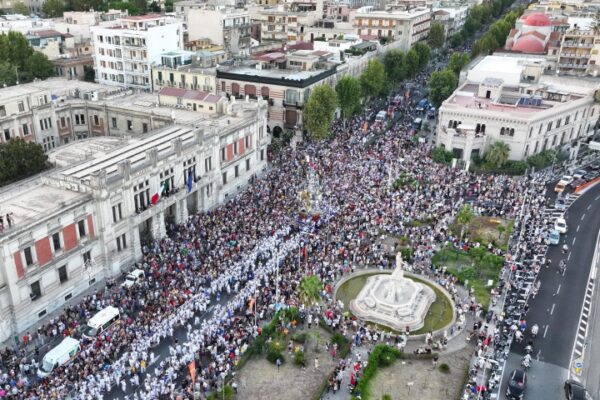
(557, 307)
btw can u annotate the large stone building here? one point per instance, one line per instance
(510, 99)
(87, 219)
(125, 52)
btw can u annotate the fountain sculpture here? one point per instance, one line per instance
(393, 300)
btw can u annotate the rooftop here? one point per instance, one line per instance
(190, 94)
(286, 74)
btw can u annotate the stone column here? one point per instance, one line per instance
(182, 211)
(158, 225)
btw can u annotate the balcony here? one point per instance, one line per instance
(580, 45)
(575, 55)
(294, 104)
(572, 66)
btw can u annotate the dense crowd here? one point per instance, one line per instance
(226, 256)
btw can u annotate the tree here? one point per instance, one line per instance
(456, 39)
(372, 79)
(441, 85)
(457, 62)
(437, 35)
(463, 217)
(38, 66)
(309, 290)
(348, 93)
(169, 5)
(411, 62)
(319, 111)
(424, 53)
(20, 8)
(154, 7)
(393, 62)
(19, 159)
(497, 154)
(8, 74)
(53, 8)
(131, 8)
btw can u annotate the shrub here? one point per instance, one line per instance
(444, 368)
(407, 253)
(442, 156)
(226, 393)
(386, 397)
(300, 359)
(299, 337)
(273, 355)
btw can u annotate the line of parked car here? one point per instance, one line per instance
(578, 178)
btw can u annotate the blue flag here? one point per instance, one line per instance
(190, 181)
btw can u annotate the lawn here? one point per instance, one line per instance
(493, 230)
(438, 316)
(474, 268)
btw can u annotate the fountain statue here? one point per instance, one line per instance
(393, 300)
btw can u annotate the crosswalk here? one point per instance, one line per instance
(583, 321)
(555, 213)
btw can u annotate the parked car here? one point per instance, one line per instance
(579, 173)
(560, 225)
(553, 237)
(516, 384)
(560, 187)
(589, 176)
(575, 391)
(595, 166)
(560, 204)
(577, 182)
(566, 179)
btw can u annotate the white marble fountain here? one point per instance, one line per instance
(393, 300)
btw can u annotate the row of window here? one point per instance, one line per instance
(57, 242)
(63, 276)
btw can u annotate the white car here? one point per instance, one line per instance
(566, 179)
(133, 277)
(580, 173)
(560, 225)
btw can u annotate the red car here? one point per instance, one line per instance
(576, 183)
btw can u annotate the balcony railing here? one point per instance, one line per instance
(296, 104)
(580, 66)
(575, 44)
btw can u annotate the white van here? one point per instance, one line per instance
(133, 277)
(100, 322)
(381, 116)
(61, 355)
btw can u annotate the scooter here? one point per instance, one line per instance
(534, 330)
(526, 363)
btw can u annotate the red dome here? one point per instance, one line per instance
(537, 19)
(528, 44)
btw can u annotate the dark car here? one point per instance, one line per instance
(516, 384)
(595, 166)
(575, 391)
(576, 183)
(589, 176)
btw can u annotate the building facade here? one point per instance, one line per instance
(225, 27)
(530, 116)
(124, 53)
(403, 27)
(88, 219)
(579, 53)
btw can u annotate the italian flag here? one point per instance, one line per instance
(156, 196)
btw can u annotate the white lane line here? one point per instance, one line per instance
(552, 309)
(578, 228)
(597, 197)
(583, 216)
(546, 330)
(580, 343)
(573, 243)
(590, 206)
(582, 337)
(558, 289)
(569, 256)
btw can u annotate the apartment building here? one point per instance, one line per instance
(284, 80)
(225, 27)
(125, 52)
(280, 25)
(192, 71)
(88, 219)
(579, 53)
(402, 27)
(510, 99)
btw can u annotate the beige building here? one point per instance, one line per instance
(579, 53)
(87, 219)
(185, 77)
(510, 99)
(225, 27)
(193, 100)
(403, 27)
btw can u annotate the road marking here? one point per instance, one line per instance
(583, 323)
(558, 289)
(580, 343)
(581, 336)
(578, 228)
(546, 330)
(552, 309)
(597, 197)
(569, 256)
(583, 216)
(573, 243)
(590, 206)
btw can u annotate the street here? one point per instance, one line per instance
(557, 307)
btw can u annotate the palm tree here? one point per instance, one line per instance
(497, 154)
(464, 216)
(310, 290)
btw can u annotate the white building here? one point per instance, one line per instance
(87, 219)
(509, 99)
(404, 28)
(223, 26)
(124, 53)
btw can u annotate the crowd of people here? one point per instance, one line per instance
(203, 275)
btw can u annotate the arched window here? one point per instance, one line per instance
(512, 131)
(482, 128)
(477, 128)
(450, 124)
(501, 131)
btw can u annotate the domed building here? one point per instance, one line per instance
(531, 34)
